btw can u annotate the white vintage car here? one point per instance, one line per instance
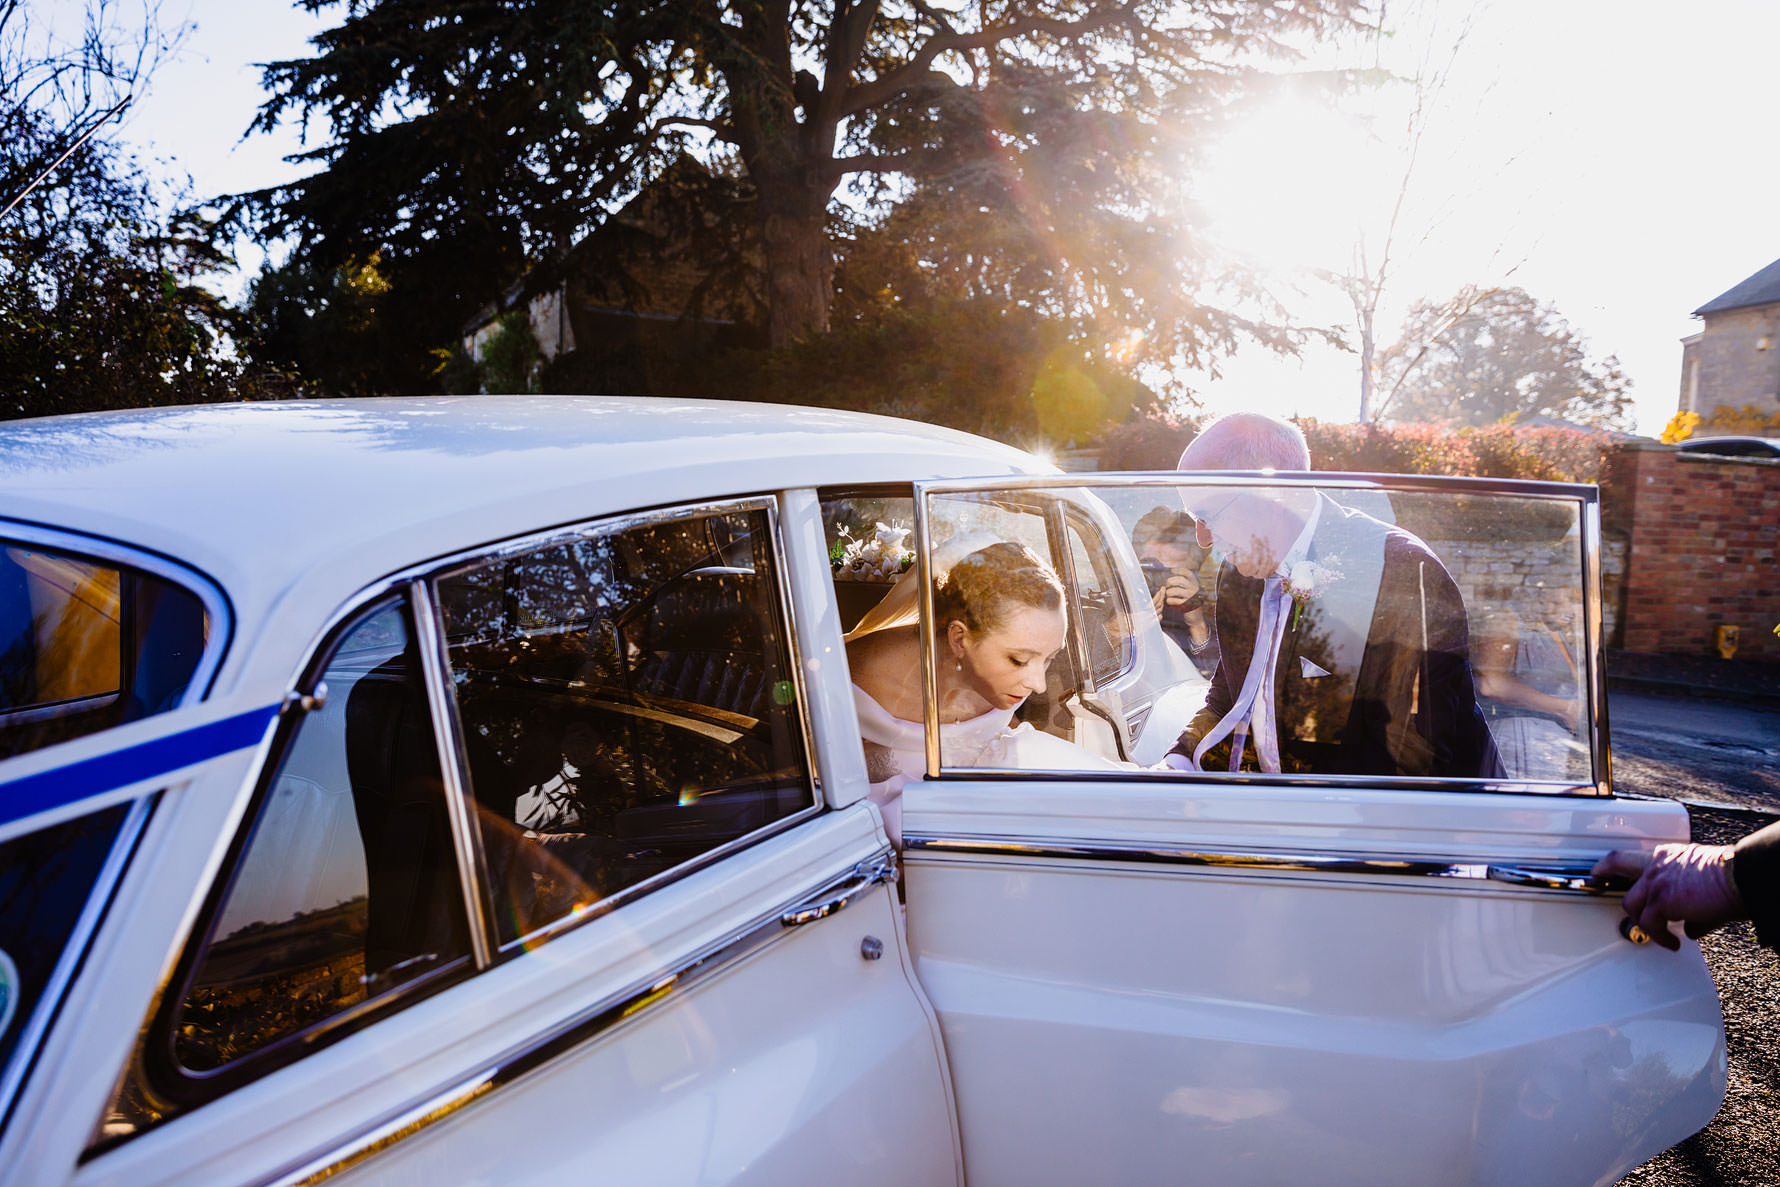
(464, 791)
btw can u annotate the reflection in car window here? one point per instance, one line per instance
(345, 889)
(85, 646)
(1433, 634)
(627, 706)
(45, 880)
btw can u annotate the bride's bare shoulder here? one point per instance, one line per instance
(885, 661)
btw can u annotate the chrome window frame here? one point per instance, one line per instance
(1586, 497)
(605, 526)
(216, 644)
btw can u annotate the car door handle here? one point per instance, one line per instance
(1573, 878)
(865, 875)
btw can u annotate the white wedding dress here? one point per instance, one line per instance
(896, 751)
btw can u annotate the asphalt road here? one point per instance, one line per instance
(1722, 758)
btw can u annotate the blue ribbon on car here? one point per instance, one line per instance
(90, 778)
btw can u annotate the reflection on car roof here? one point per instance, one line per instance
(258, 495)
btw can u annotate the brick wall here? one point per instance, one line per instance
(1701, 535)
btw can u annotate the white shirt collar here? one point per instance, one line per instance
(1300, 548)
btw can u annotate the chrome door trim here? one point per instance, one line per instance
(1595, 642)
(589, 1024)
(448, 741)
(864, 877)
(1556, 876)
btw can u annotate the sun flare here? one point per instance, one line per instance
(1292, 186)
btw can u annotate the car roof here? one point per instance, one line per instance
(330, 495)
(1714, 444)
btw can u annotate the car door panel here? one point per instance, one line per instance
(1136, 986)
(578, 1057)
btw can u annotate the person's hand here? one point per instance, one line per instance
(1173, 761)
(1178, 590)
(1686, 883)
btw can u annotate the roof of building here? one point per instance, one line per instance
(1761, 289)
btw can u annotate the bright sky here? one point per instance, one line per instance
(1615, 156)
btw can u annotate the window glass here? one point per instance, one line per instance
(85, 646)
(1430, 634)
(45, 879)
(1105, 626)
(347, 887)
(627, 705)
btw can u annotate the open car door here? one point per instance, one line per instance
(1381, 960)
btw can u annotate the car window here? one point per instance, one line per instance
(86, 645)
(341, 895)
(627, 705)
(1105, 616)
(1426, 633)
(46, 880)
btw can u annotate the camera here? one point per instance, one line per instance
(1155, 573)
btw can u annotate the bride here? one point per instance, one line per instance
(998, 620)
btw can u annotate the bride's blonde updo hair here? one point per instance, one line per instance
(981, 588)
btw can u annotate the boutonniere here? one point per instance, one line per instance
(1307, 581)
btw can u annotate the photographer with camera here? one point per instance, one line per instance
(1171, 560)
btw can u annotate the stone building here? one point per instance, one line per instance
(1733, 363)
(673, 272)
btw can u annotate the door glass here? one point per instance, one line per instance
(627, 706)
(86, 645)
(1420, 633)
(347, 887)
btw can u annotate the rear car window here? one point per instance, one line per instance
(86, 645)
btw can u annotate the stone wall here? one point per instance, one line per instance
(1701, 532)
(1738, 355)
(1510, 572)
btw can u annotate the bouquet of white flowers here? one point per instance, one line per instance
(879, 556)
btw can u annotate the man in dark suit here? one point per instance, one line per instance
(1343, 640)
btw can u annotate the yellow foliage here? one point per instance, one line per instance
(1749, 420)
(1680, 427)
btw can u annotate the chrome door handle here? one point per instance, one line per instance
(1572, 878)
(865, 875)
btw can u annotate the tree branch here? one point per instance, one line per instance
(723, 128)
(902, 78)
(903, 162)
(846, 43)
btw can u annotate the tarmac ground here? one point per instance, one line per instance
(1720, 754)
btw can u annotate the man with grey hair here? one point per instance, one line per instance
(1343, 641)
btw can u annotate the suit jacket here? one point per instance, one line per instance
(1755, 868)
(1374, 674)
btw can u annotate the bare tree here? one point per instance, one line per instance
(1372, 266)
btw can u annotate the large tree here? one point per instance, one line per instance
(101, 300)
(1505, 356)
(468, 138)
